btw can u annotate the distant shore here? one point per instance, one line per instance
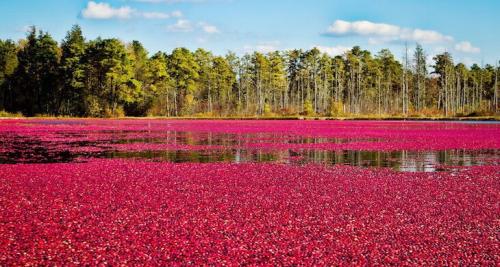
(356, 118)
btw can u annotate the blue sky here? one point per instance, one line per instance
(467, 29)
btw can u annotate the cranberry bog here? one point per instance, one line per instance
(176, 192)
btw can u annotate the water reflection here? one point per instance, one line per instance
(226, 147)
(408, 161)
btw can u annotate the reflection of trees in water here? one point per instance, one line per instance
(426, 161)
(17, 149)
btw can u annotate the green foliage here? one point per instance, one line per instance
(109, 78)
(224, 81)
(8, 64)
(71, 73)
(8, 59)
(158, 88)
(183, 69)
(36, 76)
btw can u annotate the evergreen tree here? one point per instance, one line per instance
(183, 70)
(8, 64)
(106, 77)
(109, 82)
(36, 77)
(71, 73)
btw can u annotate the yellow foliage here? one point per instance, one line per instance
(308, 108)
(336, 108)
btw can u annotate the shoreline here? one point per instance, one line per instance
(361, 118)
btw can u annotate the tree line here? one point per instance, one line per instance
(106, 77)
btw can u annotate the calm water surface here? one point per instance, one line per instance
(217, 147)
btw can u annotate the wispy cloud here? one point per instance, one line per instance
(208, 28)
(176, 14)
(467, 47)
(466, 61)
(384, 33)
(184, 25)
(332, 50)
(155, 15)
(103, 11)
(176, 1)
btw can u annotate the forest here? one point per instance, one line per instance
(110, 78)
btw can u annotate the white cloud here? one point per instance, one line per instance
(176, 1)
(467, 47)
(207, 28)
(383, 33)
(176, 14)
(466, 61)
(182, 25)
(105, 11)
(155, 15)
(425, 36)
(160, 15)
(170, 1)
(333, 50)
(342, 27)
